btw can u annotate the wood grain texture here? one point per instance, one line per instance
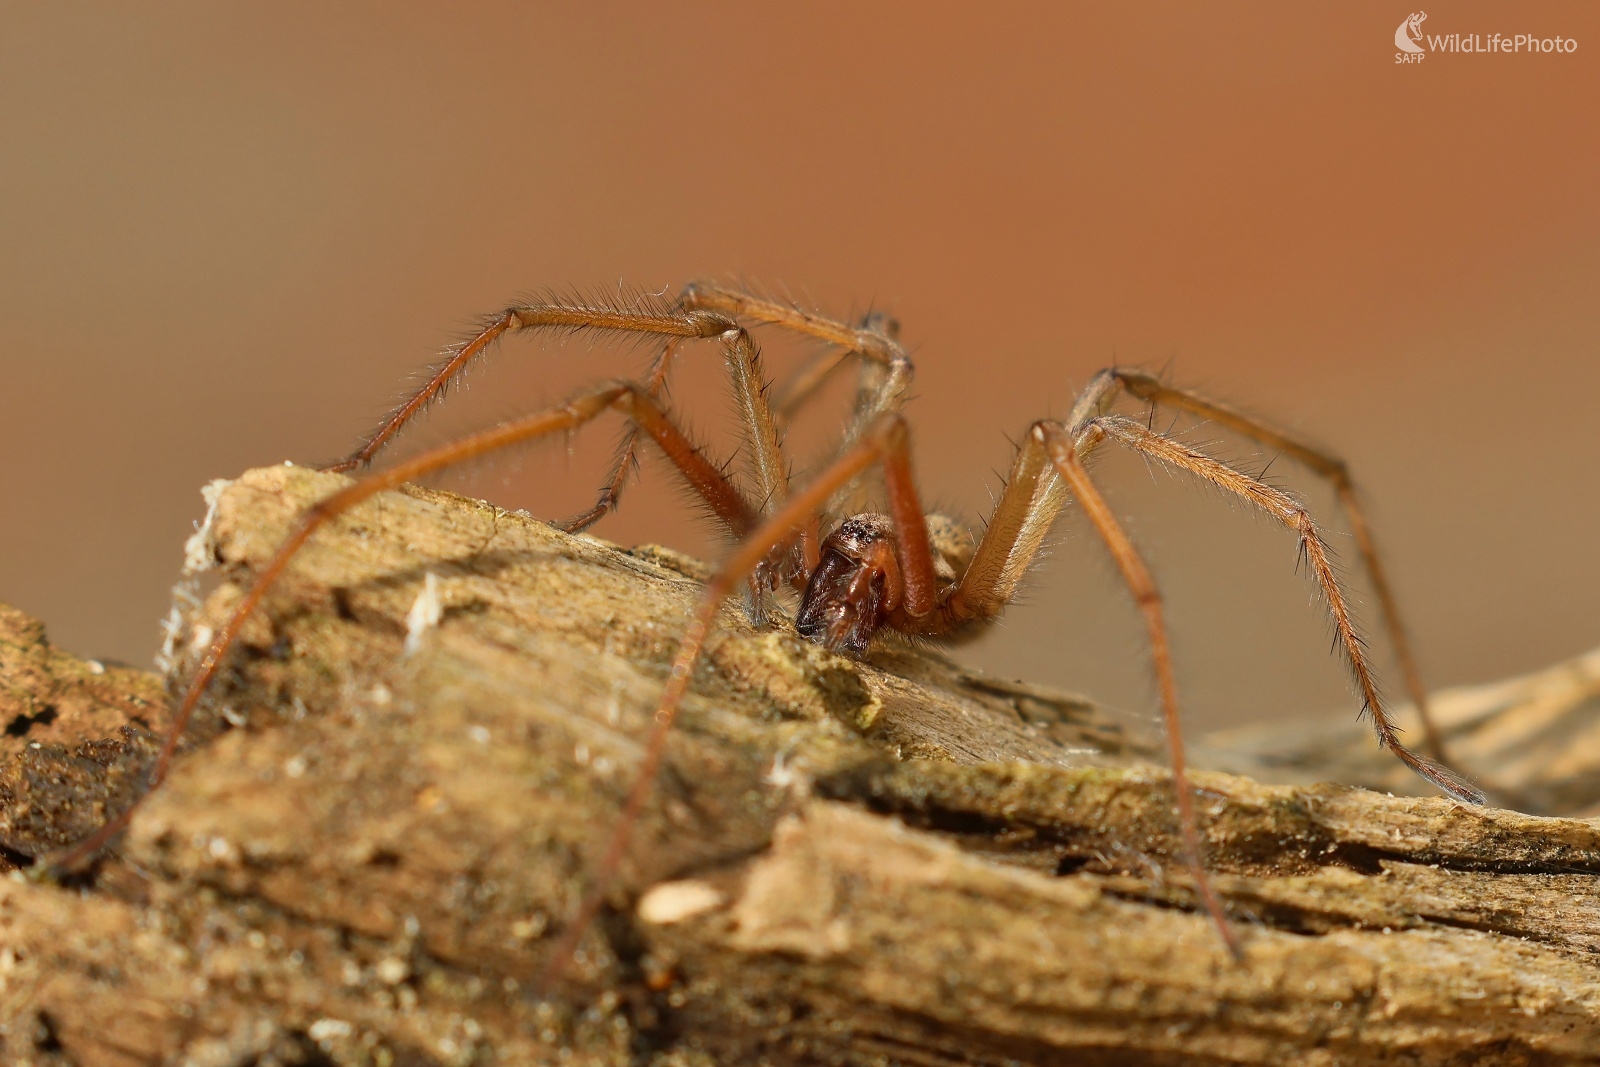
(364, 853)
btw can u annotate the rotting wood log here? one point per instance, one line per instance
(365, 852)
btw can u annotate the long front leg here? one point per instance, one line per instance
(1049, 464)
(750, 388)
(756, 415)
(675, 324)
(626, 460)
(1281, 506)
(1149, 388)
(1064, 451)
(886, 370)
(785, 398)
(794, 392)
(663, 323)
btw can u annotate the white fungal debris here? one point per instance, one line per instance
(781, 775)
(199, 556)
(672, 902)
(329, 1030)
(200, 639)
(200, 552)
(425, 613)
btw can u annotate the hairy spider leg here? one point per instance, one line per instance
(786, 399)
(1065, 450)
(1049, 466)
(873, 341)
(533, 317)
(627, 449)
(791, 394)
(886, 371)
(886, 443)
(726, 501)
(886, 375)
(1032, 498)
(703, 311)
(1289, 511)
(1320, 461)
(744, 369)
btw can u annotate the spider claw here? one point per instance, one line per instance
(1443, 777)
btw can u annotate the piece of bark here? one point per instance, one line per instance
(893, 861)
(1533, 742)
(77, 734)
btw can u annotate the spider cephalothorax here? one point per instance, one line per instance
(920, 575)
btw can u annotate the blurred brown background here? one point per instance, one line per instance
(227, 233)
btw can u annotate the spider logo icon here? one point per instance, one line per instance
(1408, 36)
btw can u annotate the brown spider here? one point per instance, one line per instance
(916, 574)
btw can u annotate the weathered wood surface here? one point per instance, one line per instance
(891, 862)
(1532, 742)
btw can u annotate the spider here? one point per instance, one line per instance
(858, 573)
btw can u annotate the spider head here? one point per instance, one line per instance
(854, 588)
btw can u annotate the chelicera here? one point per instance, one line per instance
(859, 572)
